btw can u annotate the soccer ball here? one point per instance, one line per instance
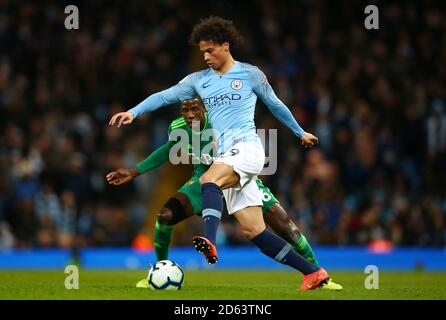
(166, 275)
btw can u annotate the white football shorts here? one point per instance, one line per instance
(247, 159)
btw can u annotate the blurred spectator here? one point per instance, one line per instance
(6, 237)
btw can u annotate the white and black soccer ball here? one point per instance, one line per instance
(166, 275)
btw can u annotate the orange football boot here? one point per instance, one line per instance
(203, 245)
(314, 280)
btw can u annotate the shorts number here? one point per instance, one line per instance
(233, 152)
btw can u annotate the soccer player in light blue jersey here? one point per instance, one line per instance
(229, 90)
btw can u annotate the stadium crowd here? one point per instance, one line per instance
(375, 98)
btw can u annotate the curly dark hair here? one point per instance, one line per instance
(216, 29)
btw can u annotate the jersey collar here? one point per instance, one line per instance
(227, 72)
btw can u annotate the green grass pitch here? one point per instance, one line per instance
(218, 285)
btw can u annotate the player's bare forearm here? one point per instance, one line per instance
(121, 176)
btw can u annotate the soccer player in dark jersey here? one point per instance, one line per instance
(187, 201)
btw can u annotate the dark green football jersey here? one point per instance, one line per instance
(198, 144)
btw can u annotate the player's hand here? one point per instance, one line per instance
(308, 140)
(121, 176)
(121, 118)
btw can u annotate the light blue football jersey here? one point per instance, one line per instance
(230, 101)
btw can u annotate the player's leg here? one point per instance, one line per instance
(175, 210)
(253, 226)
(184, 204)
(218, 177)
(278, 219)
(232, 170)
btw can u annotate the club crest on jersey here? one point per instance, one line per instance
(236, 84)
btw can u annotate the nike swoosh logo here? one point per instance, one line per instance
(311, 284)
(205, 86)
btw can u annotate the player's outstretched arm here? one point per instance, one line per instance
(122, 176)
(266, 93)
(184, 90)
(156, 158)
